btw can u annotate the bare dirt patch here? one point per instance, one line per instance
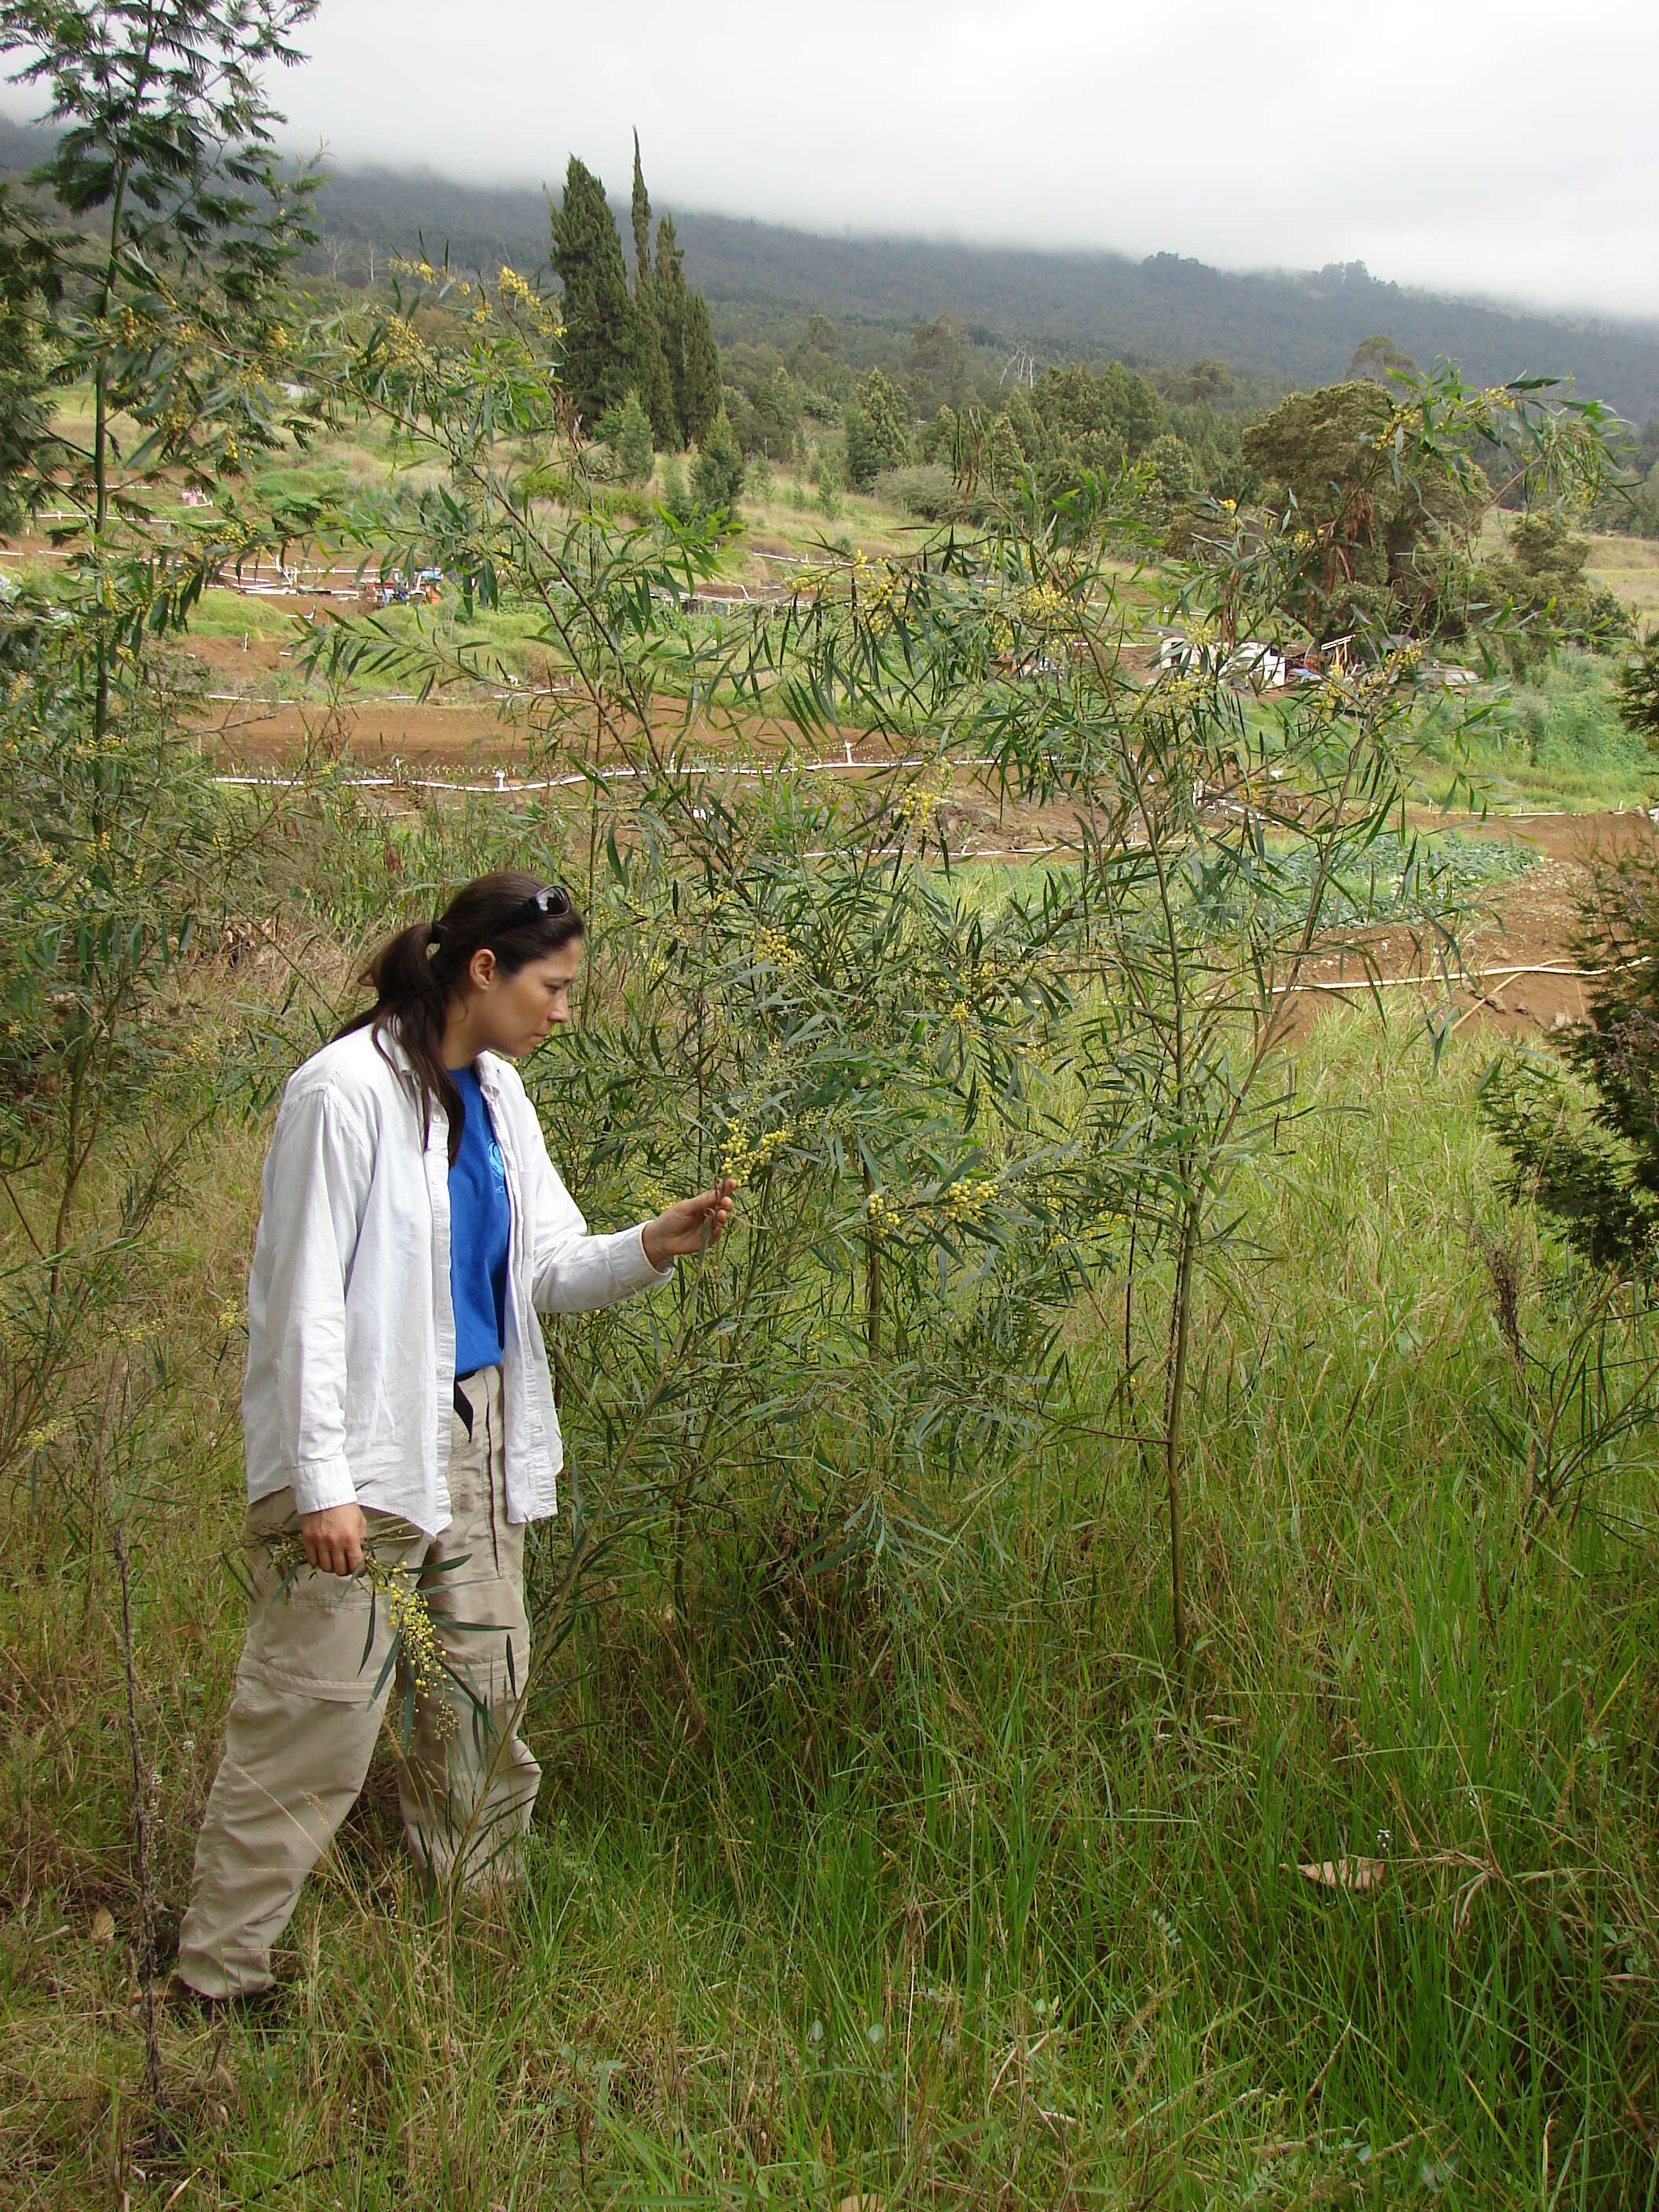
(1513, 967)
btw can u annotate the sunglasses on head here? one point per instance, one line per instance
(547, 906)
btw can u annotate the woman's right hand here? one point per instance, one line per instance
(334, 1539)
(682, 1229)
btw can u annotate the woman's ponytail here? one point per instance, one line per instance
(418, 975)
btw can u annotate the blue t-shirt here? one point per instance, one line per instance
(480, 1222)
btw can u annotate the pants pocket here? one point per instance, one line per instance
(320, 1635)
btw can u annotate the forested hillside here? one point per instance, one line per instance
(1300, 328)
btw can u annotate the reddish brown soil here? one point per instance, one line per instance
(464, 737)
(1513, 967)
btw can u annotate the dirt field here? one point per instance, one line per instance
(1514, 968)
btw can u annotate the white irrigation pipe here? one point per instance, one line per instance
(560, 783)
(364, 704)
(1472, 982)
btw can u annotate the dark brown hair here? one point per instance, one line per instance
(418, 975)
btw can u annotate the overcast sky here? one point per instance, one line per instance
(1510, 149)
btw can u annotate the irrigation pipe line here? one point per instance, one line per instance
(711, 769)
(366, 704)
(271, 707)
(1442, 982)
(502, 788)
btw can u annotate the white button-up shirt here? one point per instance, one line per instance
(349, 1384)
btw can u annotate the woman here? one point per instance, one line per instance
(397, 1396)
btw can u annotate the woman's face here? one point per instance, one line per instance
(513, 1014)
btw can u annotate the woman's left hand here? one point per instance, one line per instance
(689, 1224)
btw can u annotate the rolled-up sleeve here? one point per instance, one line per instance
(572, 1272)
(316, 1180)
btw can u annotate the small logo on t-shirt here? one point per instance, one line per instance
(497, 1165)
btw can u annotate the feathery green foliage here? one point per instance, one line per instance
(700, 386)
(1637, 687)
(873, 427)
(633, 447)
(651, 359)
(717, 474)
(600, 352)
(669, 279)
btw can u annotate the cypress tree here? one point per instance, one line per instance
(599, 330)
(651, 362)
(641, 215)
(670, 291)
(634, 442)
(26, 399)
(717, 477)
(702, 400)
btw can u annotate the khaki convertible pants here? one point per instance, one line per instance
(303, 1721)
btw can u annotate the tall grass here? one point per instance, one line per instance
(850, 1880)
(1553, 739)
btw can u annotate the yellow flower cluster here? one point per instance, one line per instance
(742, 1161)
(511, 284)
(920, 802)
(1169, 694)
(1046, 607)
(961, 1014)
(403, 349)
(881, 595)
(773, 949)
(409, 1616)
(969, 1200)
(881, 1213)
(979, 983)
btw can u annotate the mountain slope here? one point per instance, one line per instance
(1299, 328)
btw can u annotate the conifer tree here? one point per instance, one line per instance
(651, 362)
(874, 428)
(600, 337)
(701, 398)
(669, 289)
(717, 478)
(633, 454)
(640, 210)
(26, 405)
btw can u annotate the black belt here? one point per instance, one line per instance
(463, 1407)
